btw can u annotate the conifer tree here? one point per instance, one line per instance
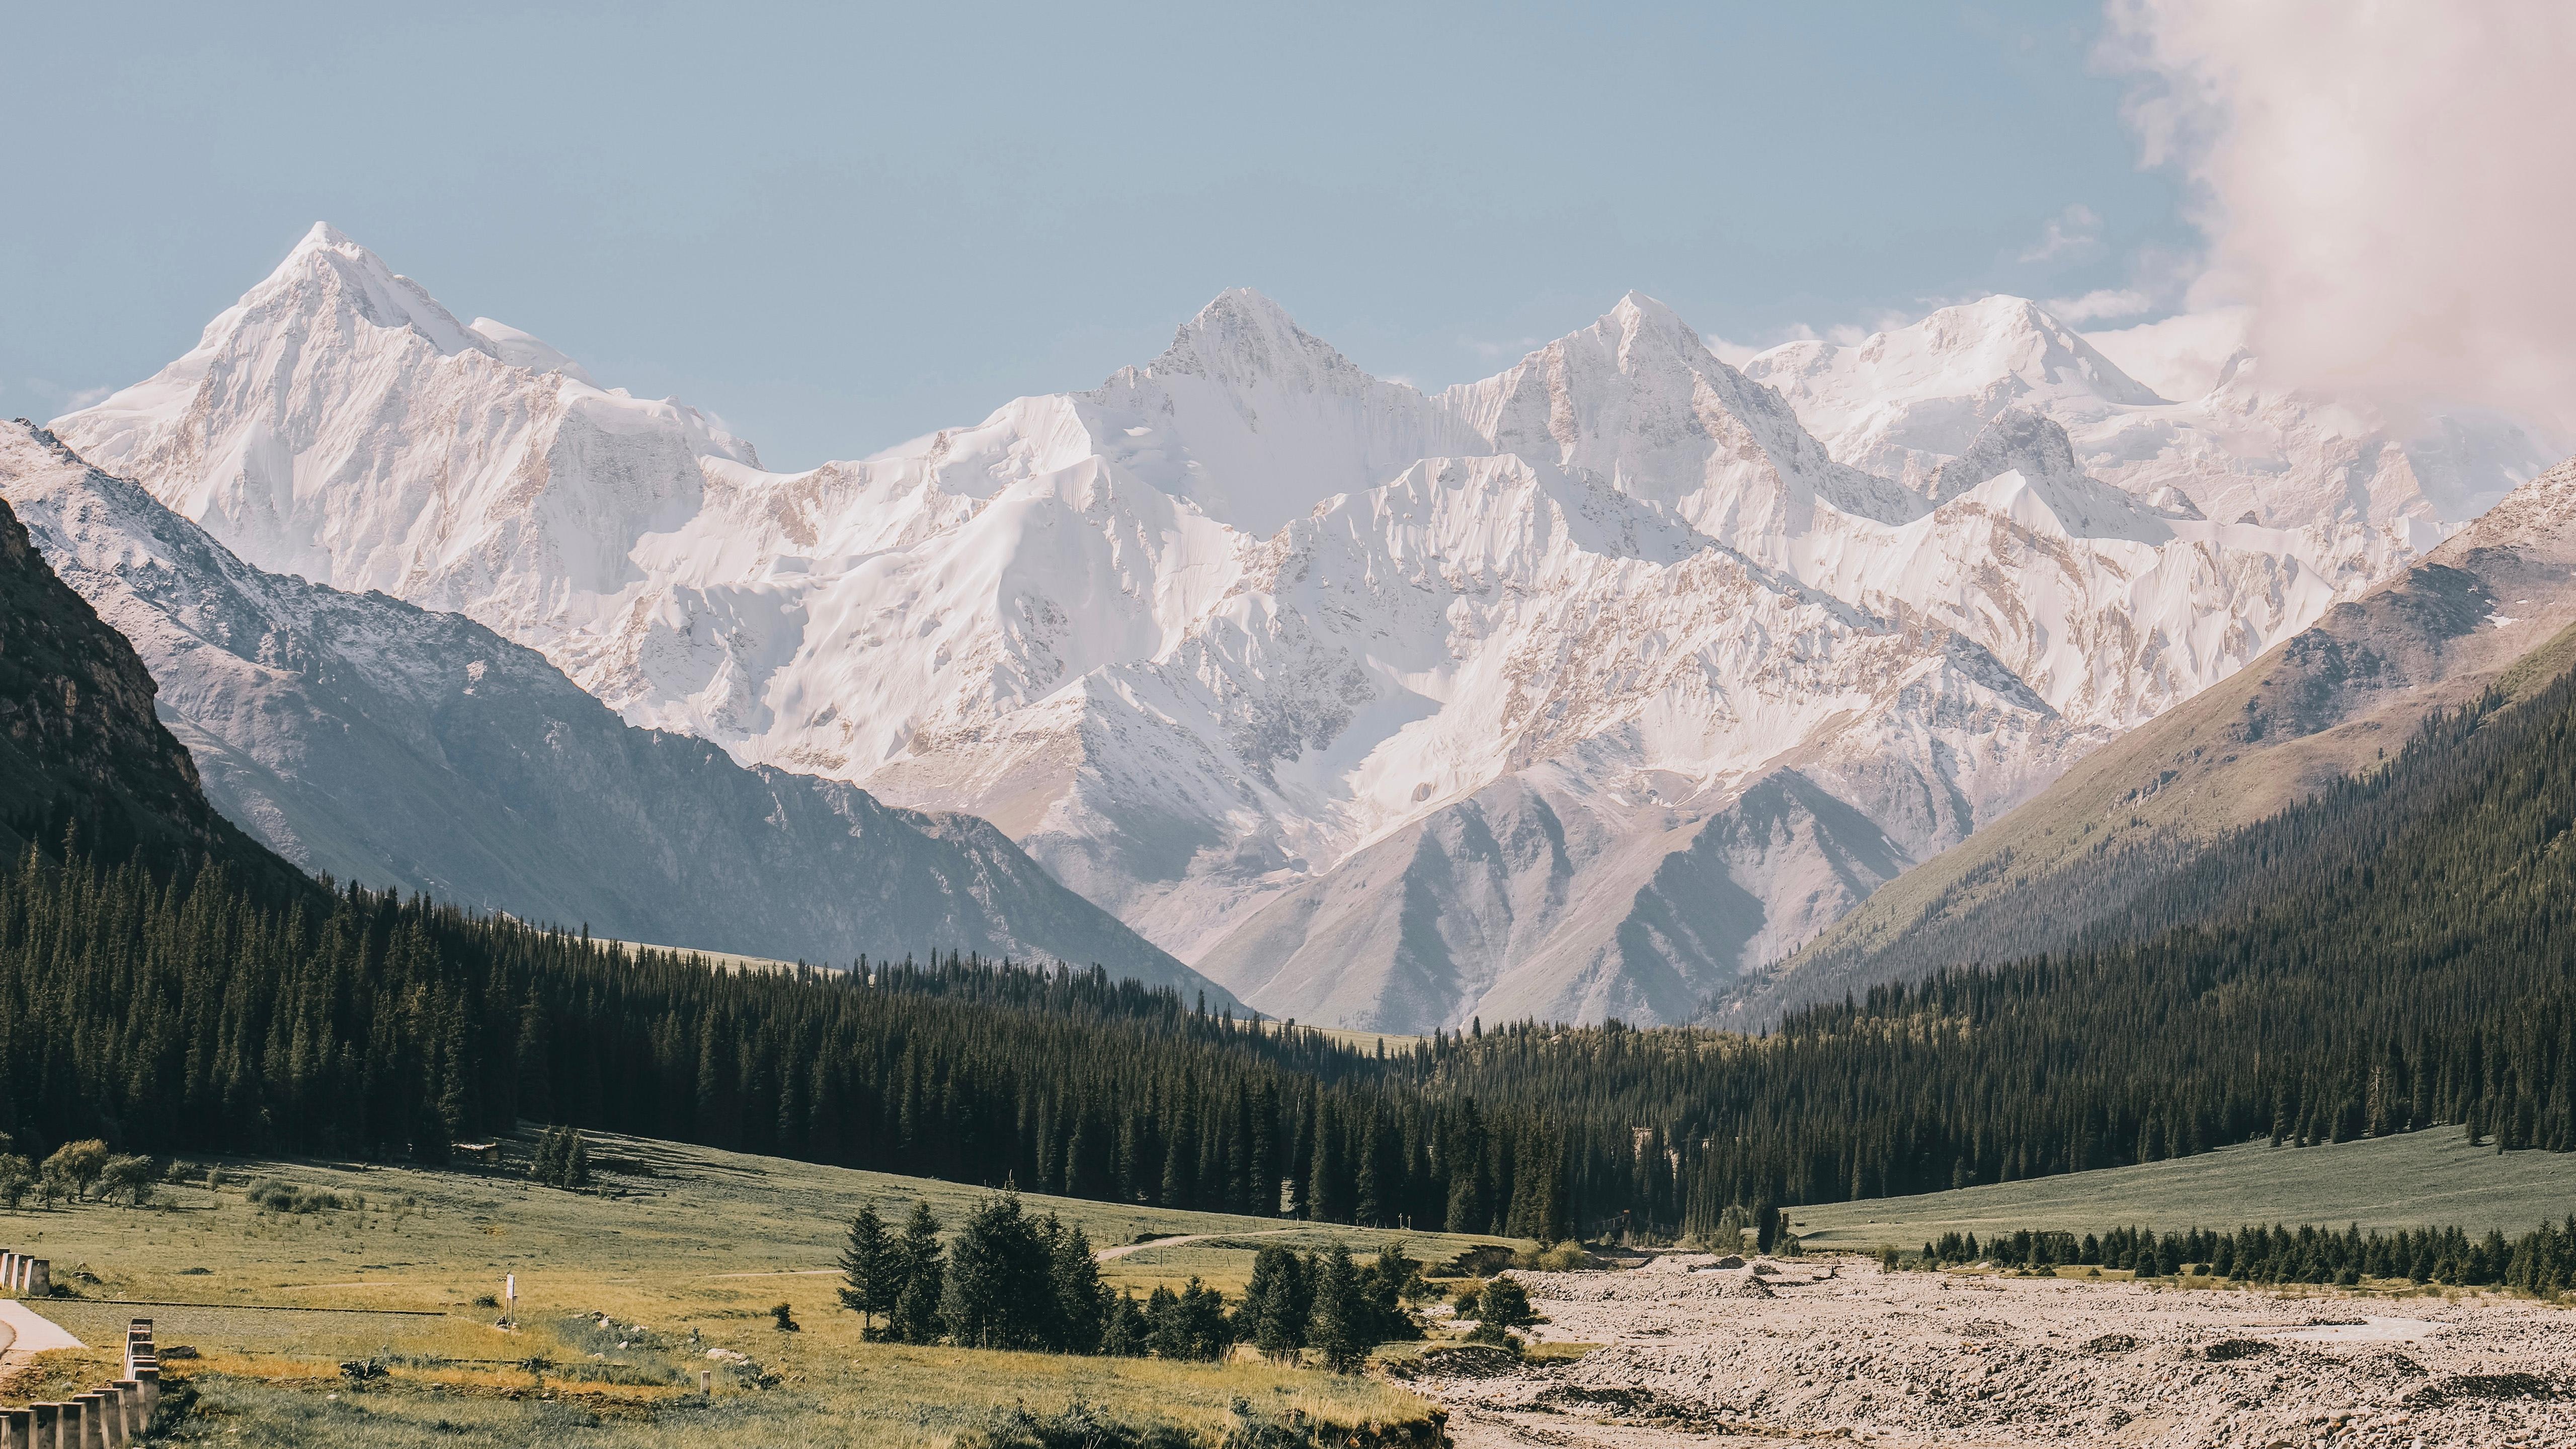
(999, 1289)
(1081, 1302)
(915, 1316)
(1126, 1333)
(1340, 1330)
(873, 1268)
(1276, 1304)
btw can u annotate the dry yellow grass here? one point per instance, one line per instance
(682, 1256)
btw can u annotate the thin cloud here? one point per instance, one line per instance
(2074, 232)
(2101, 305)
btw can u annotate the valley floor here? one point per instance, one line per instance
(1834, 1348)
(369, 1319)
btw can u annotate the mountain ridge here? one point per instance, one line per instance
(2321, 707)
(1201, 636)
(365, 737)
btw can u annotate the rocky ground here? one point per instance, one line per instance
(1835, 1348)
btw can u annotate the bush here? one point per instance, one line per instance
(130, 1177)
(562, 1160)
(272, 1195)
(1190, 1324)
(1079, 1425)
(77, 1165)
(1565, 1257)
(1503, 1304)
(17, 1179)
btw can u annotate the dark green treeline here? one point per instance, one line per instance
(2395, 954)
(2398, 953)
(2541, 1262)
(170, 1017)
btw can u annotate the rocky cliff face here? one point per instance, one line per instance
(377, 741)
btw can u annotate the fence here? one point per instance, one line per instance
(110, 1417)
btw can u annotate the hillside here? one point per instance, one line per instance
(2412, 1180)
(383, 743)
(80, 747)
(2489, 609)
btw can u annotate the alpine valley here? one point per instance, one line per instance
(1581, 691)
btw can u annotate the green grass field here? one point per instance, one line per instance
(682, 1255)
(2430, 1178)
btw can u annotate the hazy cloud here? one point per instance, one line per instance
(2102, 304)
(2180, 357)
(2074, 232)
(2386, 184)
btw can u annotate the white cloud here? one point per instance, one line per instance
(2074, 232)
(2182, 356)
(2101, 305)
(85, 397)
(2385, 184)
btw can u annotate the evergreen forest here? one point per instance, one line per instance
(2392, 956)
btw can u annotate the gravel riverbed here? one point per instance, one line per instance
(1837, 1349)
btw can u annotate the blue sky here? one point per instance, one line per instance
(838, 227)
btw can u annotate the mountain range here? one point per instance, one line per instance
(372, 740)
(1578, 691)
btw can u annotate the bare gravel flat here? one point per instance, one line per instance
(1836, 1349)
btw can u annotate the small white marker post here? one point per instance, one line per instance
(510, 1299)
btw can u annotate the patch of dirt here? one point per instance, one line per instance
(1827, 1350)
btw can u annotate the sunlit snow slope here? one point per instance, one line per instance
(1572, 692)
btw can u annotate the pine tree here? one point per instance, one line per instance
(1341, 1326)
(1126, 1333)
(873, 1268)
(1504, 1305)
(1276, 1304)
(1000, 1286)
(1081, 1302)
(915, 1316)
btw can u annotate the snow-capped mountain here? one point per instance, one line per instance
(1571, 692)
(1905, 403)
(377, 741)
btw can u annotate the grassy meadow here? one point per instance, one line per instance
(623, 1293)
(2417, 1179)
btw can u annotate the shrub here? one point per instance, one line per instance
(1564, 1257)
(129, 1176)
(285, 1197)
(17, 1179)
(78, 1165)
(1504, 1304)
(562, 1160)
(1079, 1425)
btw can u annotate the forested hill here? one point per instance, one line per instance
(2397, 953)
(2392, 955)
(79, 743)
(2492, 609)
